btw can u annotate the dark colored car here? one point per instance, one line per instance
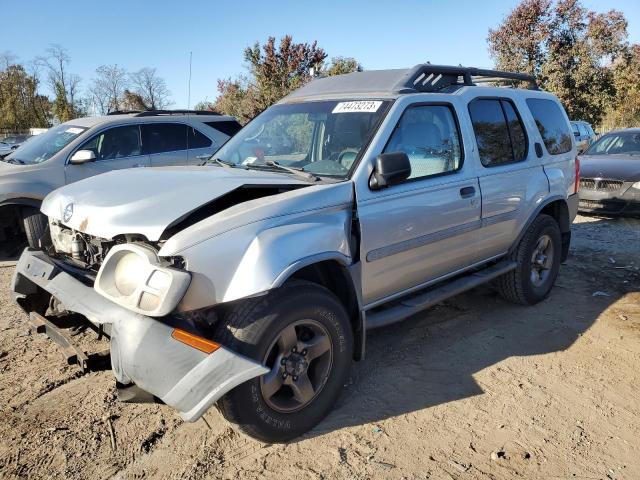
(610, 174)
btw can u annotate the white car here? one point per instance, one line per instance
(9, 144)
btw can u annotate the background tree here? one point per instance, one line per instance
(151, 88)
(107, 89)
(624, 110)
(341, 65)
(133, 101)
(205, 105)
(274, 71)
(569, 48)
(21, 107)
(63, 84)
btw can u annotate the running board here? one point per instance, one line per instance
(416, 303)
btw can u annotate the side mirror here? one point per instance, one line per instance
(82, 156)
(390, 169)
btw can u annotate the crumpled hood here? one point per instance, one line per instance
(146, 201)
(613, 167)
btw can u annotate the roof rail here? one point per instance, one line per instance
(123, 112)
(434, 78)
(153, 113)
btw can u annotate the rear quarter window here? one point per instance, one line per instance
(551, 124)
(228, 127)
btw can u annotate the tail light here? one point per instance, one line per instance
(576, 187)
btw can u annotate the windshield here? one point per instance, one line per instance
(323, 138)
(44, 146)
(617, 143)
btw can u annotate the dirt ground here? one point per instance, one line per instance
(474, 388)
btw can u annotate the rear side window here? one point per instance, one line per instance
(228, 127)
(197, 139)
(164, 137)
(499, 132)
(551, 124)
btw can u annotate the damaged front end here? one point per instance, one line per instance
(130, 295)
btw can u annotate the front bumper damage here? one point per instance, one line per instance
(143, 351)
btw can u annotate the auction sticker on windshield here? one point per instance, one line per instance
(74, 130)
(359, 106)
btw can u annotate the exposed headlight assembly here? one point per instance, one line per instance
(132, 276)
(636, 185)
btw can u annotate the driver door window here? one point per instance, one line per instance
(115, 148)
(428, 134)
(117, 142)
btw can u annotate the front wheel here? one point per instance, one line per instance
(302, 333)
(538, 258)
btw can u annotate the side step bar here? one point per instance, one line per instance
(421, 301)
(71, 352)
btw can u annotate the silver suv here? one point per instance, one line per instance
(85, 147)
(353, 203)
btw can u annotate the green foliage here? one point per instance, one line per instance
(569, 48)
(624, 110)
(342, 65)
(62, 109)
(21, 107)
(273, 72)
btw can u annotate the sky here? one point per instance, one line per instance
(162, 33)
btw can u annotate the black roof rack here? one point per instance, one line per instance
(421, 78)
(434, 78)
(154, 113)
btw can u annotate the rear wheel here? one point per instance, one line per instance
(302, 333)
(538, 258)
(35, 225)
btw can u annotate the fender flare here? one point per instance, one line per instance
(566, 232)
(24, 202)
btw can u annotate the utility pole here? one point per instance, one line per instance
(189, 94)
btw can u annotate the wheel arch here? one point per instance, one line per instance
(11, 211)
(336, 276)
(557, 208)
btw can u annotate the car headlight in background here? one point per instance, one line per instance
(636, 185)
(133, 277)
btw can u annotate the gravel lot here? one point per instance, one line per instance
(474, 388)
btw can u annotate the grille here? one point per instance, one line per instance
(588, 183)
(600, 185)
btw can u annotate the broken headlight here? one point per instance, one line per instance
(132, 276)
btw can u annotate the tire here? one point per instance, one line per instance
(255, 328)
(35, 226)
(531, 282)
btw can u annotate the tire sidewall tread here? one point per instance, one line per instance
(250, 328)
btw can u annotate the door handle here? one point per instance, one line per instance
(203, 157)
(467, 192)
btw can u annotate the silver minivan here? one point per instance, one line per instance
(85, 147)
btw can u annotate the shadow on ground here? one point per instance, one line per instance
(432, 358)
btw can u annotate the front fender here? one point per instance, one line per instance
(255, 259)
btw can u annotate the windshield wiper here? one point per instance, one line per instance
(220, 162)
(298, 172)
(15, 161)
